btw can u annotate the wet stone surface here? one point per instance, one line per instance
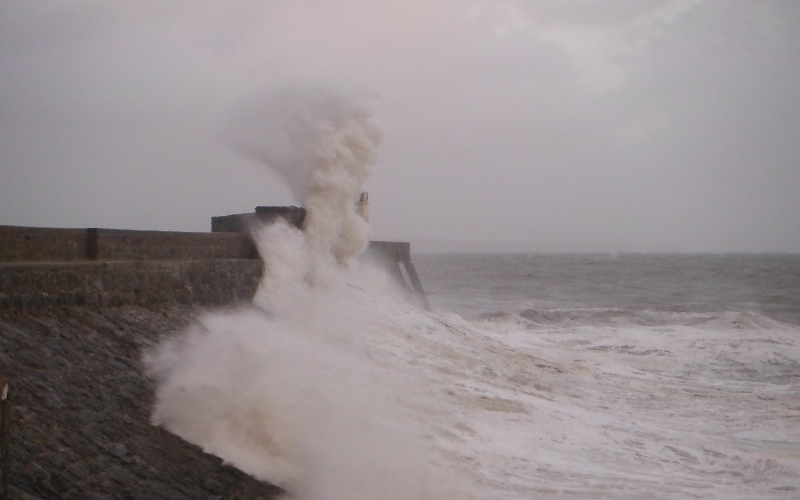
(81, 412)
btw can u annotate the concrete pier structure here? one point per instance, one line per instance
(243, 223)
(77, 307)
(395, 256)
(42, 267)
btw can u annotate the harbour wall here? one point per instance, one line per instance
(77, 307)
(42, 244)
(53, 267)
(42, 267)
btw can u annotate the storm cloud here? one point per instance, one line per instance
(519, 125)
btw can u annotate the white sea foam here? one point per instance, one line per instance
(333, 388)
(323, 144)
(361, 387)
(297, 389)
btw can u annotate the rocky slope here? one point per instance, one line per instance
(81, 425)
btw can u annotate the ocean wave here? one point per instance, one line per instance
(585, 316)
(333, 388)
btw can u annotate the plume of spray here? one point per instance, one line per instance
(290, 390)
(323, 144)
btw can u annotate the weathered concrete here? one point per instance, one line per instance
(41, 244)
(44, 267)
(396, 251)
(77, 306)
(26, 286)
(395, 257)
(120, 244)
(37, 244)
(244, 223)
(81, 402)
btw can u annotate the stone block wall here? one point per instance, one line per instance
(43, 267)
(42, 244)
(110, 284)
(81, 411)
(36, 244)
(121, 244)
(244, 223)
(394, 251)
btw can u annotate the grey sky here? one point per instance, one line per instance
(613, 125)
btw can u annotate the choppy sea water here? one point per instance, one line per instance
(622, 376)
(617, 376)
(473, 284)
(535, 377)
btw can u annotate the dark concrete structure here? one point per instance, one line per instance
(395, 257)
(5, 435)
(44, 267)
(36, 285)
(244, 223)
(41, 244)
(77, 306)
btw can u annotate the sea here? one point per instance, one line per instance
(533, 376)
(641, 376)
(612, 286)
(613, 376)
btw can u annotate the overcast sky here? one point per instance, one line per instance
(573, 124)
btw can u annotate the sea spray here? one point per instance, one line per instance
(323, 143)
(295, 389)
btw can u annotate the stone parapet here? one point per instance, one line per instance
(42, 244)
(37, 244)
(263, 216)
(122, 244)
(43, 267)
(102, 284)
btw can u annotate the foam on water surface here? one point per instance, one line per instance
(502, 410)
(650, 412)
(332, 387)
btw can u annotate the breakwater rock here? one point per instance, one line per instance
(81, 407)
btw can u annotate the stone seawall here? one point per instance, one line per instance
(81, 411)
(115, 283)
(37, 244)
(122, 244)
(77, 308)
(19, 244)
(46, 267)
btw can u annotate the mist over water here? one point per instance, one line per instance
(323, 143)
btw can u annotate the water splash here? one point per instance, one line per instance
(293, 390)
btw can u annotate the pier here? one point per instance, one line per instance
(77, 308)
(43, 267)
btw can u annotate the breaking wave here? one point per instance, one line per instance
(604, 316)
(331, 387)
(298, 389)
